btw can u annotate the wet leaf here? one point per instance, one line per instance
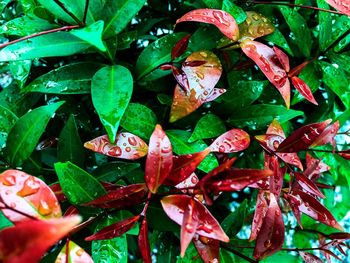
(159, 159)
(27, 194)
(143, 242)
(303, 89)
(236, 11)
(180, 47)
(308, 185)
(342, 6)
(189, 226)
(75, 254)
(221, 19)
(234, 140)
(127, 146)
(282, 58)
(207, 248)
(208, 126)
(328, 135)
(309, 258)
(259, 215)
(314, 166)
(92, 34)
(256, 25)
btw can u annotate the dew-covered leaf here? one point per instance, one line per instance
(282, 58)
(259, 215)
(207, 248)
(234, 140)
(256, 25)
(328, 135)
(189, 226)
(75, 254)
(308, 185)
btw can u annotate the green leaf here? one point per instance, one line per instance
(179, 141)
(78, 185)
(278, 39)
(342, 60)
(325, 23)
(118, 13)
(4, 222)
(20, 71)
(69, 79)
(8, 119)
(209, 126)
(204, 38)
(259, 116)
(233, 223)
(226, 256)
(57, 44)
(70, 147)
(111, 90)
(156, 53)
(216, 4)
(298, 26)
(3, 4)
(191, 255)
(139, 120)
(25, 134)
(92, 34)
(234, 10)
(113, 171)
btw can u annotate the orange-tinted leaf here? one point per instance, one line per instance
(221, 19)
(327, 136)
(259, 215)
(159, 159)
(122, 197)
(266, 59)
(207, 248)
(309, 258)
(303, 89)
(127, 146)
(27, 194)
(143, 242)
(189, 226)
(75, 254)
(180, 47)
(341, 5)
(256, 25)
(29, 240)
(114, 230)
(271, 236)
(175, 206)
(282, 58)
(308, 185)
(234, 140)
(276, 129)
(303, 138)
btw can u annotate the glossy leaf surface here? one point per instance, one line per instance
(259, 215)
(303, 89)
(342, 6)
(207, 248)
(75, 254)
(255, 25)
(231, 141)
(201, 131)
(143, 242)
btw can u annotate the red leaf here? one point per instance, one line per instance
(207, 248)
(75, 254)
(294, 203)
(282, 58)
(308, 185)
(175, 206)
(327, 136)
(221, 19)
(189, 226)
(259, 215)
(181, 79)
(343, 6)
(302, 138)
(143, 242)
(296, 71)
(184, 166)
(47, 143)
(159, 159)
(303, 89)
(127, 146)
(271, 236)
(71, 211)
(180, 47)
(193, 63)
(189, 182)
(234, 140)
(339, 236)
(57, 190)
(309, 258)
(27, 194)
(276, 129)
(345, 154)
(28, 241)
(266, 59)
(276, 181)
(122, 197)
(314, 167)
(114, 230)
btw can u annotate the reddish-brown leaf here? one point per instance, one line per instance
(276, 129)
(221, 19)
(143, 242)
(189, 226)
(180, 47)
(341, 5)
(266, 59)
(175, 206)
(302, 138)
(271, 236)
(303, 89)
(27, 194)
(75, 254)
(259, 215)
(276, 180)
(159, 159)
(308, 185)
(57, 190)
(127, 146)
(327, 136)
(294, 204)
(234, 140)
(339, 236)
(345, 154)
(114, 230)
(309, 258)
(71, 211)
(29, 240)
(122, 197)
(314, 167)
(282, 58)
(207, 248)
(181, 79)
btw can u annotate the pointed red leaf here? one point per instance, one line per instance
(159, 159)
(207, 248)
(302, 138)
(296, 71)
(175, 206)
(234, 140)
(339, 236)
(180, 47)
(114, 230)
(266, 59)
(127, 146)
(122, 197)
(27, 194)
(221, 19)
(282, 58)
(259, 215)
(47, 143)
(308, 185)
(341, 5)
(294, 204)
(309, 258)
(328, 135)
(276, 181)
(271, 236)
(189, 226)
(276, 129)
(314, 167)
(181, 79)
(75, 254)
(29, 240)
(303, 89)
(143, 242)
(190, 182)
(71, 211)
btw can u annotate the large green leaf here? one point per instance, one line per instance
(25, 134)
(69, 79)
(57, 44)
(209, 126)
(78, 185)
(111, 90)
(139, 120)
(70, 147)
(92, 34)
(233, 223)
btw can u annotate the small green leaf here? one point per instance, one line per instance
(78, 185)
(25, 134)
(233, 223)
(139, 120)
(234, 10)
(92, 34)
(209, 126)
(111, 90)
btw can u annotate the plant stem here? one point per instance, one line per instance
(39, 34)
(86, 11)
(228, 248)
(64, 8)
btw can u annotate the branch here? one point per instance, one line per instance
(64, 8)
(228, 248)
(86, 11)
